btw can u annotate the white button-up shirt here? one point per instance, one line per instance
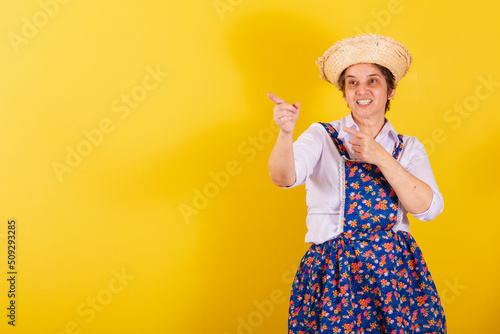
(318, 164)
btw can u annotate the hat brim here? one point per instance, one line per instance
(367, 48)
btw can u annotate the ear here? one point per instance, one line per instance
(391, 94)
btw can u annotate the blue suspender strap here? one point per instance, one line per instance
(338, 142)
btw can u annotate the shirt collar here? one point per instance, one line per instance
(387, 131)
(348, 121)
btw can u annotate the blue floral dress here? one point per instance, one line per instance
(369, 279)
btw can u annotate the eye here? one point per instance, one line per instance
(351, 82)
(373, 80)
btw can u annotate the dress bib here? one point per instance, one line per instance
(371, 278)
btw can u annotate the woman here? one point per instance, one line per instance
(364, 272)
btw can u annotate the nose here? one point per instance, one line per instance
(361, 89)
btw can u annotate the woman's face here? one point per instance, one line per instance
(366, 91)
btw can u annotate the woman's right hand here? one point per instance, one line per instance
(285, 114)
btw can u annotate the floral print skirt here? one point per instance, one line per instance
(374, 282)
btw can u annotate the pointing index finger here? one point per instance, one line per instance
(353, 132)
(275, 99)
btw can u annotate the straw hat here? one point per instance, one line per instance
(366, 48)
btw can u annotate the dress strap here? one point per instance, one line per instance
(338, 142)
(398, 146)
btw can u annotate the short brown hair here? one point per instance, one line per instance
(389, 79)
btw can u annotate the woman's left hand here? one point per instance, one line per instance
(414, 194)
(366, 148)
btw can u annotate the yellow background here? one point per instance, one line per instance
(221, 264)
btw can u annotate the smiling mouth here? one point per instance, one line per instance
(364, 102)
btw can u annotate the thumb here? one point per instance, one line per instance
(275, 99)
(296, 105)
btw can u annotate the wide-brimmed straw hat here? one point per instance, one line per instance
(366, 48)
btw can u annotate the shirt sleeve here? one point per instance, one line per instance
(420, 167)
(307, 150)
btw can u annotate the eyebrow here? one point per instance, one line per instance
(369, 75)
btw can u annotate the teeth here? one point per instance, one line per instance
(364, 102)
